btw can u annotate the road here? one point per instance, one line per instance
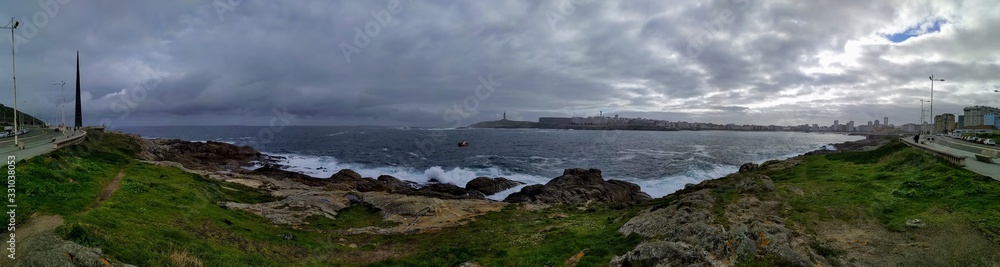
(962, 144)
(36, 142)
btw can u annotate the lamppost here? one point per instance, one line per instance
(923, 113)
(932, 95)
(13, 25)
(62, 104)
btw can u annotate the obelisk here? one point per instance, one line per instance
(79, 115)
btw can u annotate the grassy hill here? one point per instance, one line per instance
(7, 117)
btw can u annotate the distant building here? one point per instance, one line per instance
(992, 119)
(961, 121)
(990, 129)
(885, 121)
(974, 114)
(944, 123)
(850, 126)
(555, 120)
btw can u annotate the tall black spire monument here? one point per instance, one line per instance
(79, 115)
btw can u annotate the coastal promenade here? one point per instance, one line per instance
(39, 141)
(988, 169)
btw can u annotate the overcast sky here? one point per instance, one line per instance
(448, 63)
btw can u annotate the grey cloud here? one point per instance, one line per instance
(775, 62)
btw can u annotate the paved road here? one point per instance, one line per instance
(36, 142)
(963, 145)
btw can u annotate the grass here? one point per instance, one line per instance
(893, 184)
(514, 237)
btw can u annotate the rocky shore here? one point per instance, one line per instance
(686, 231)
(416, 207)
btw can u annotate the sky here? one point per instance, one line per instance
(454, 63)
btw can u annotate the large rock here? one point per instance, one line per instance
(694, 230)
(748, 167)
(489, 186)
(207, 156)
(578, 186)
(47, 249)
(448, 191)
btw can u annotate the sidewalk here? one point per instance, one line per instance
(988, 169)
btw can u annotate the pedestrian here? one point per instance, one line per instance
(916, 138)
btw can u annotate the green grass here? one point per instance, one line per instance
(893, 183)
(514, 237)
(355, 216)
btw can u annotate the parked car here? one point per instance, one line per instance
(989, 142)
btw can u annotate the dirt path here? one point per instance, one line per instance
(39, 224)
(110, 189)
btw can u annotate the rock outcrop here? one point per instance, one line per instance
(208, 156)
(578, 186)
(691, 232)
(489, 186)
(47, 249)
(748, 167)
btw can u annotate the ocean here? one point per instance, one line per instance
(661, 162)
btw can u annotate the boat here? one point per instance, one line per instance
(463, 143)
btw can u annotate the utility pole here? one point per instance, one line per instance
(62, 105)
(13, 25)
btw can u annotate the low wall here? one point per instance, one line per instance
(958, 160)
(69, 141)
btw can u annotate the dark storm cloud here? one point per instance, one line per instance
(421, 62)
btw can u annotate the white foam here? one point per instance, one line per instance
(326, 166)
(663, 186)
(340, 133)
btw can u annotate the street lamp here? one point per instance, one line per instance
(923, 113)
(932, 95)
(62, 104)
(13, 25)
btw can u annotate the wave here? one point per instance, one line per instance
(326, 166)
(340, 133)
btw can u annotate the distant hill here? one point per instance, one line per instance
(7, 116)
(505, 124)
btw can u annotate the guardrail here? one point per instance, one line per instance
(958, 160)
(69, 141)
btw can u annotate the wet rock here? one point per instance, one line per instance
(345, 175)
(489, 186)
(748, 167)
(448, 191)
(208, 156)
(578, 186)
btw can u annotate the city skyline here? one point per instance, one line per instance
(443, 63)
